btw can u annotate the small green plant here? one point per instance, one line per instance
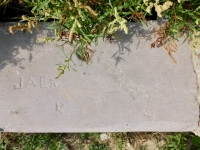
(98, 146)
(81, 22)
(3, 142)
(120, 140)
(89, 136)
(176, 142)
(196, 142)
(31, 141)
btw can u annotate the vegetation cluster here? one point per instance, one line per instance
(99, 141)
(81, 22)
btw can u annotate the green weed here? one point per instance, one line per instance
(98, 146)
(176, 141)
(120, 140)
(89, 136)
(81, 22)
(92, 141)
(196, 142)
(31, 141)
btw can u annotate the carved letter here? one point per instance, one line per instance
(149, 108)
(30, 82)
(20, 84)
(42, 82)
(53, 84)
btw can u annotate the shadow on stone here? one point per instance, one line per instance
(125, 40)
(11, 43)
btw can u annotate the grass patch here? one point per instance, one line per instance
(99, 141)
(31, 141)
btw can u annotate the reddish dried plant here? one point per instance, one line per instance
(164, 39)
(109, 38)
(137, 16)
(171, 46)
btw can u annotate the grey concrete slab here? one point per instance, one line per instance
(127, 86)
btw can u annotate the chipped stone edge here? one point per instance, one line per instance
(197, 131)
(196, 66)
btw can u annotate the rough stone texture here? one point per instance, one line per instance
(196, 62)
(127, 86)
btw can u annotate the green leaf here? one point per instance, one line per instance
(50, 5)
(43, 4)
(52, 26)
(197, 9)
(86, 37)
(196, 141)
(104, 15)
(110, 4)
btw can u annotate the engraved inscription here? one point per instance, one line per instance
(83, 111)
(151, 99)
(36, 82)
(53, 83)
(148, 111)
(31, 82)
(98, 100)
(191, 88)
(126, 84)
(59, 107)
(18, 86)
(135, 91)
(44, 82)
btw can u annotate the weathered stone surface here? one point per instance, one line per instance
(127, 86)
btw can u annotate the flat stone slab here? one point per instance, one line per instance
(127, 86)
